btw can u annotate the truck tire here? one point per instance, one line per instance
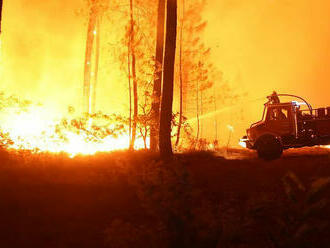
(269, 148)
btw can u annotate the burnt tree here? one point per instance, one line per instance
(133, 68)
(96, 68)
(180, 77)
(154, 129)
(90, 73)
(0, 15)
(165, 145)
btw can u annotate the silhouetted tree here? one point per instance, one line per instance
(196, 73)
(192, 29)
(129, 93)
(189, 60)
(135, 50)
(215, 109)
(144, 120)
(97, 60)
(154, 129)
(0, 15)
(133, 73)
(96, 8)
(165, 145)
(204, 84)
(180, 77)
(88, 56)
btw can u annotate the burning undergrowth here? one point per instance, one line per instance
(28, 126)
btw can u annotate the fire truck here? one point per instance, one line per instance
(285, 125)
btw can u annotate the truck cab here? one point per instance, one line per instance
(280, 119)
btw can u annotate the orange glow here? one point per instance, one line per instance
(43, 60)
(36, 130)
(258, 45)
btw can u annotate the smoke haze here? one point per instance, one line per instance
(260, 45)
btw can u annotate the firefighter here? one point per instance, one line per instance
(274, 99)
(278, 115)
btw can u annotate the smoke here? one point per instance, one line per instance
(266, 45)
(42, 44)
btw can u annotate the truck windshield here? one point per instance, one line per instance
(263, 114)
(262, 119)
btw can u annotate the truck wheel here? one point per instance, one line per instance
(269, 148)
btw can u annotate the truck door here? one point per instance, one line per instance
(279, 120)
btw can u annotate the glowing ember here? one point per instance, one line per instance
(36, 130)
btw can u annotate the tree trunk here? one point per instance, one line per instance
(154, 128)
(0, 15)
(97, 33)
(88, 60)
(181, 78)
(215, 111)
(135, 91)
(202, 113)
(135, 102)
(165, 145)
(129, 92)
(145, 141)
(197, 111)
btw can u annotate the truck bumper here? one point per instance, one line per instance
(246, 143)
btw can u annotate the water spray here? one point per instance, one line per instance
(210, 114)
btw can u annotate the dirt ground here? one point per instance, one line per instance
(229, 199)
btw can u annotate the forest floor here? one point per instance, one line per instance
(122, 199)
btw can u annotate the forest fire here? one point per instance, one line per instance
(84, 84)
(33, 128)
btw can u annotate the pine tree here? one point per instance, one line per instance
(96, 9)
(133, 73)
(0, 15)
(165, 145)
(135, 52)
(88, 56)
(154, 129)
(180, 76)
(194, 67)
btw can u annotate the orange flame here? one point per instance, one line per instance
(36, 130)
